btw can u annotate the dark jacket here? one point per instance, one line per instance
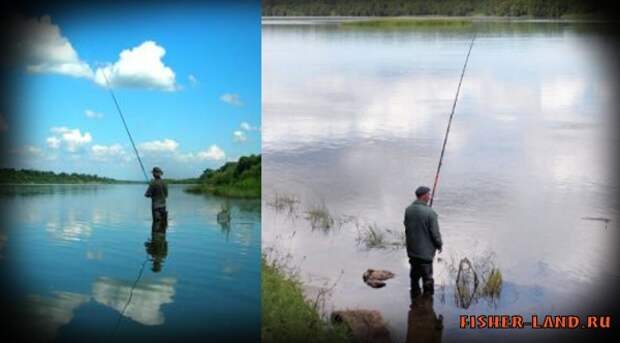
(422, 231)
(158, 192)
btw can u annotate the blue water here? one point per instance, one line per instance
(75, 252)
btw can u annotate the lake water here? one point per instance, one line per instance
(353, 120)
(83, 264)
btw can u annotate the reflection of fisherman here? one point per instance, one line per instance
(157, 247)
(158, 192)
(423, 238)
(423, 325)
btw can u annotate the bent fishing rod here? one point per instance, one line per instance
(118, 108)
(445, 138)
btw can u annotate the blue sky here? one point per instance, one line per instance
(187, 79)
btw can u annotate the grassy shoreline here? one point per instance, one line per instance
(241, 179)
(286, 315)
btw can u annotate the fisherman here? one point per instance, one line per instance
(423, 238)
(158, 192)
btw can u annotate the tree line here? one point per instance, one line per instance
(531, 8)
(236, 179)
(11, 175)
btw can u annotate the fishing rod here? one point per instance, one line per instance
(122, 313)
(445, 139)
(118, 108)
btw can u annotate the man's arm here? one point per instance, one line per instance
(149, 191)
(435, 234)
(165, 190)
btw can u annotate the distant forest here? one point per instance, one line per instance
(30, 176)
(10, 175)
(513, 8)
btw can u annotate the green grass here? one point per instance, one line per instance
(241, 179)
(319, 217)
(373, 237)
(233, 191)
(287, 316)
(284, 202)
(493, 284)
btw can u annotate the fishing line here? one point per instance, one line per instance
(118, 108)
(445, 139)
(122, 313)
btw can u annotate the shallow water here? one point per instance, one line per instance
(83, 264)
(354, 119)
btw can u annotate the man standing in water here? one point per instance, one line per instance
(158, 192)
(423, 238)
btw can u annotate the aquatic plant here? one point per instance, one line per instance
(493, 284)
(319, 217)
(223, 216)
(372, 237)
(283, 201)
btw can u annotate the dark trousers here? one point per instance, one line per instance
(160, 219)
(421, 270)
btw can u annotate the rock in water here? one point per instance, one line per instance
(376, 278)
(365, 325)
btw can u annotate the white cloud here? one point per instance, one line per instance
(53, 142)
(72, 139)
(92, 114)
(28, 150)
(213, 153)
(148, 297)
(109, 152)
(139, 67)
(45, 315)
(156, 146)
(560, 94)
(239, 136)
(247, 127)
(192, 79)
(232, 99)
(44, 50)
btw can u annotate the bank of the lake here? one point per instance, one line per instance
(513, 8)
(241, 179)
(286, 315)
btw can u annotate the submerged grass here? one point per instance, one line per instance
(493, 284)
(287, 316)
(319, 217)
(283, 202)
(373, 237)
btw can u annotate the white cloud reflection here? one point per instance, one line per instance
(45, 315)
(146, 301)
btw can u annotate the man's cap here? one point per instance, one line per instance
(420, 191)
(157, 170)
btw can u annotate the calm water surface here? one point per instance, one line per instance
(354, 119)
(84, 264)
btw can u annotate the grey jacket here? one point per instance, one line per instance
(158, 192)
(422, 231)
